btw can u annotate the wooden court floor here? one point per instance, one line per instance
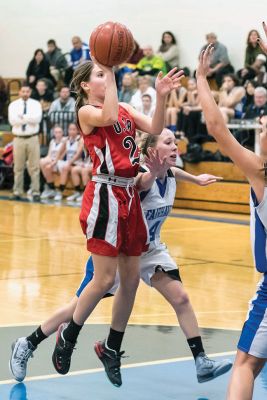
(43, 255)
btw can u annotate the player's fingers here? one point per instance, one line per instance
(171, 72)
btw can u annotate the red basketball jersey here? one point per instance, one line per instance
(113, 149)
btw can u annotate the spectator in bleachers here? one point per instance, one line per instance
(38, 68)
(48, 164)
(128, 88)
(130, 65)
(3, 98)
(173, 106)
(150, 64)
(79, 54)
(230, 98)
(220, 63)
(24, 116)
(80, 174)
(248, 99)
(254, 111)
(144, 87)
(168, 50)
(43, 94)
(259, 106)
(147, 107)
(57, 62)
(62, 110)
(252, 51)
(190, 115)
(260, 70)
(70, 155)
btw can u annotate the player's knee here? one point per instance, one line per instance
(106, 283)
(181, 300)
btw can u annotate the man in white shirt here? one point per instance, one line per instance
(24, 116)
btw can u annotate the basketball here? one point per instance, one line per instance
(111, 43)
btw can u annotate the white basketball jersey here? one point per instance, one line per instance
(72, 147)
(55, 148)
(258, 231)
(157, 203)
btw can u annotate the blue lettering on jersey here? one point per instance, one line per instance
(157, 213)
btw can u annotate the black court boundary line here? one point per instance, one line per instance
(199, 262)
(174, 215)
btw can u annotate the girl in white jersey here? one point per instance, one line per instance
(157, 187)
(48, 163)
(71, 154)
(252, 346)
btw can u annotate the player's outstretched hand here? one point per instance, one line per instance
(263, 45)
(204, 62)
(156, 166)
(165, 84)
(207, 179)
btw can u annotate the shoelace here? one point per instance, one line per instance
(23, 357)
(208, 361)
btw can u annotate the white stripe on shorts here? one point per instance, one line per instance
(93, 214)
(112, 227)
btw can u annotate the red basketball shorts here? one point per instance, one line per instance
(113, 221)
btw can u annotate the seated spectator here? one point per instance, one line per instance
(230, 98)
(57, 61)
(173, 106)
(189, 117)
(70, 155)
(130, 65)
(248, 99)
(80, 174)
(168, 50)
(38, 68)
(128, 88)
(62, 110)
(254, 111)
(78, 55)
(144, 87)
(43, 94)
(260, 70)
(147, 108)
(48, 164)
(150, 64)
(252, 51)
(259, 106)
(220, 63)
(3, 98)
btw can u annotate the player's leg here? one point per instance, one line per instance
(23, 347)
(108, 350)
(76, 180)
(245, 370)
(104, 275)
(171, 288)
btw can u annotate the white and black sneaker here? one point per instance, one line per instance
(22, 350)
(208, 369)
(74, 196)
(48, 194)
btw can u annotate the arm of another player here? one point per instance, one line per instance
(164, 85)
(245, 159)
(201, 180)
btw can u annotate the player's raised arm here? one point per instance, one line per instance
(246, 160)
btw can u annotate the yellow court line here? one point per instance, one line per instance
(134, 365)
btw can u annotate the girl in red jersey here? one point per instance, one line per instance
(111, 215)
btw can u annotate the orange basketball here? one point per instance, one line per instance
(111, 43)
